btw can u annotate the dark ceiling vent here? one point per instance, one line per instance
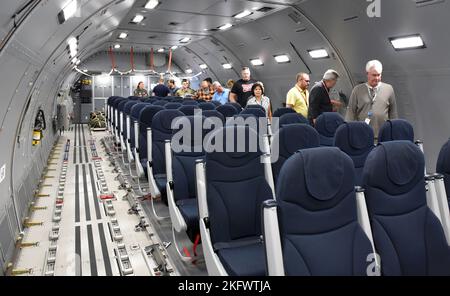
(351, 18)
(173, 24)
(265, 9)
(152, 37)
(103, 12)
(118, 2)
(300, 30)
(213, 30)
(295, 17)
(241, 45)
(421, 3)
(266, 38)
(214, 41)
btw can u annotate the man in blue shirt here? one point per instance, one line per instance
(161, 90)
(220, 93)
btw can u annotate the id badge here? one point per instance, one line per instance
(367, 121)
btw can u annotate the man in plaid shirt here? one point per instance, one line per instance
(206, 92)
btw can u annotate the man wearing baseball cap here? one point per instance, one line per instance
(319, 98)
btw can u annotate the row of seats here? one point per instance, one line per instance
(236, 185)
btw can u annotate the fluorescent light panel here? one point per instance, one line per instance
(185, 40)
(203, 66)
(70, 9)
(282, 58)
(117, 46)
(151, 4)
(243, 14)
(226, 26)
(137, 19)
(174, 47)
(407, 42)
(318, 53)
(227, 66)
(161, 50)
(123, 35)
(256, 62)
(188, 71)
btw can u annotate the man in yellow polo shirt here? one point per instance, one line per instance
(298, 97)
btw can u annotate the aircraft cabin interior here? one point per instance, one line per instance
(224, 138)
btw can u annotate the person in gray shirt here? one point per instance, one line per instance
(374, 101)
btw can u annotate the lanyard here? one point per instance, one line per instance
(326, 88)
(375, 90)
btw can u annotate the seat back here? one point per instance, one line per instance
(115, 105)
(227, 110)
(162, 131)
(127, 111)
(407, 235)
(135, 112)
(443, 167)
(145, 121)
(396, 130)
(235, 185)
(134, 98)
(216, 103)
(288, 140)
(292, 118)
(356, 140)
(120, 108)
(320, 231)
(281, 111)
(160, 103)
(187, 148)
(255, 106)
(151, 100)
(327, 124)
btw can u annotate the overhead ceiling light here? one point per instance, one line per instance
(174, 47)
(203, 66)
(68, 11)
(73, 43)
(73, 53)
(255, 8)
(123, 35)
(407, 42)
(151, 4)
(137, 19)
(318, 53)
(281, 59)
(227, 66)
(78, 62)
(243, 14)
(74, 60)
(161, 50)
(188, 71)
(226, 26)
(185, 40)
(256, 62)
(117, 46)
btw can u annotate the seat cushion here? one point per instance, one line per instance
(246, 260)
(189, 209)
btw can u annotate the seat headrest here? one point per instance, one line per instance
(316, 178)
(443, 162)
(327, 123)
(136, 110)
(213, 113)
(160, 103)
(128, 106)
(207, 106)
(227, 110)
(233, 146)
(162, 121)
(188, 110)
(116, 102)
(171, 106)
(236, 106)
(291, 118)
(353, 137)
(293, 137)
(122, 104)
(253, 111)
(148, 113)
(281, 111)
(255, 106)
(189, 102)
(396, 130)
(134, 98)
(394, 167)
